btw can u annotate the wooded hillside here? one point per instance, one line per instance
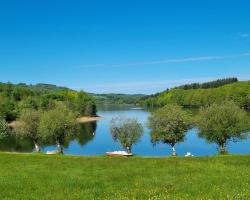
(15, 97)
(238, 92)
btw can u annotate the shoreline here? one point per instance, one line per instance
(86, 119)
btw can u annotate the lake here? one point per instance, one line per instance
(95, 139)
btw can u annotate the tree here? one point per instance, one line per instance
(30, 102)
(8, 110)
(4, 129)
(169, 125)
(90, 109)
(57, 124)
(29, 123)
(127, 131)
(222, 123)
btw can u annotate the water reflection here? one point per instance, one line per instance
(84, 134)
(14, 143)
(95, 139)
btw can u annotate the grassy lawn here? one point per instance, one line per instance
(30, 176)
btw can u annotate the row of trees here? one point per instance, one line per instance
(118, 99)
(210, 84)
(15, 98)
(238, 92)
(218, 123)
(55, 126)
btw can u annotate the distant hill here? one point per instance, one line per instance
(210, 84)
(193, 95)
(113, 98)
(16, 97)
(42, 87)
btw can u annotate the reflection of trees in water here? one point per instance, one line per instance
(13, 143)
(86, 132)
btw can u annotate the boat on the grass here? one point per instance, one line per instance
(53, 152)
(118, 153)
(189, 155)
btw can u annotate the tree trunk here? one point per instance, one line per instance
(128, 149)
(173, 151)
(37, 148)
(223, 149)
(59, 148)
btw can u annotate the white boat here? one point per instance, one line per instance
(53, 152)
(189, 154)
(119, 153)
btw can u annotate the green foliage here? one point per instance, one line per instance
(126, 130)
(86, 132)
(237, 92)
(4, 129)
(8, 110)
(210, 84)
(57, 124)
(29, 102)
(169, 125)
(15, 98)
(83, 104)
(90, 109)
(117, 99)
(29, 123)
(221, 123)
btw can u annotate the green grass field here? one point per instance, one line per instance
(30, 176)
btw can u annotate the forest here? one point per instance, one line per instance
(16, 97)
(199, 95)
(118, 99)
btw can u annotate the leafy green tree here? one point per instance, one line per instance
(222, 123)
(246, 102)
(238, 92)
(4, 129)
(8, 110)
(57, 124)
(127, 131)
(169, 125)
(29, 102)
(29, 123)
(90, 109)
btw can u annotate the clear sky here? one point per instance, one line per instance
(126, 46)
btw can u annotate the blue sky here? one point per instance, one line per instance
(126, 46)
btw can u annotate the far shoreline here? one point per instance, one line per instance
(84, 119)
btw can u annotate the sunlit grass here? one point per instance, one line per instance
(37, 176)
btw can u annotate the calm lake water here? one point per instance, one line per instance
(95, 139)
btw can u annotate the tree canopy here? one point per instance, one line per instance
(220, 123)
(238, 92)
(29, 124)
(4, 129)
(15, 98)
(169, 125)
(127, 131)
(57, 124)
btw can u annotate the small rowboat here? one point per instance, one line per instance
(189, 154)
(119, 153)
(54, 152)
